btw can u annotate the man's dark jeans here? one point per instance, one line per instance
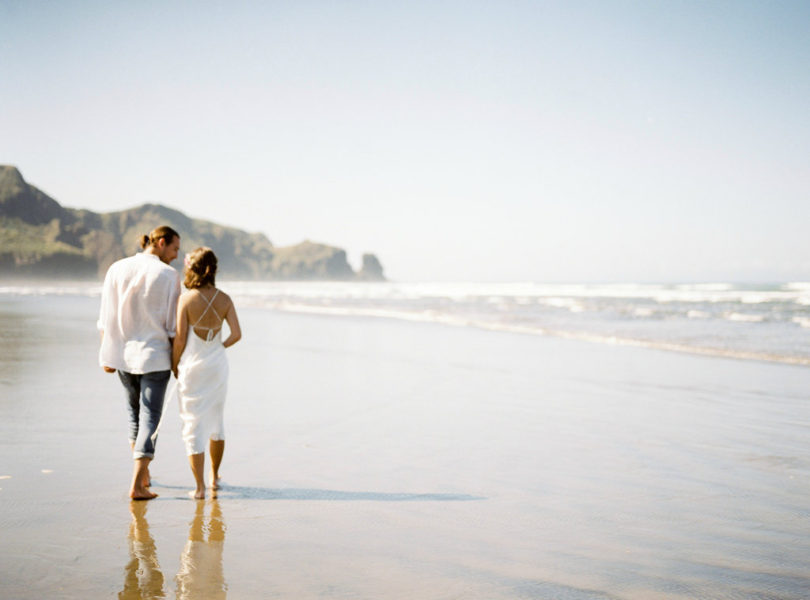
(145, 395)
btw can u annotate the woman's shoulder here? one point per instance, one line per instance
(190, 298)
(222, 298)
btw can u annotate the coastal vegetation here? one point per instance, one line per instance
(41, 238)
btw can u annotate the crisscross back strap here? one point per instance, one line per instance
(211, 307)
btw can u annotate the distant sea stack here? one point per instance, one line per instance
(371, 270)
(39, 238)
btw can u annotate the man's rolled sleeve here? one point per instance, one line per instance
(171, 311)
(107, 292)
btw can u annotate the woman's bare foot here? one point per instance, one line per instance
(197, 495)
(141, 493)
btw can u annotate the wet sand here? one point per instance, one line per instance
(368, 458)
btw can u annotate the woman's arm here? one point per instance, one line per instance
(182, 333)
(233, 325)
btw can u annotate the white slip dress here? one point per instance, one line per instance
(202, 382)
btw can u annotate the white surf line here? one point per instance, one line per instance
(426, 317)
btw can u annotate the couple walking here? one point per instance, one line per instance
(148, 330)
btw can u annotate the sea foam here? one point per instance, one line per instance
(770, 322)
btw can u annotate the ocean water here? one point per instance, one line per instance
(762, 322)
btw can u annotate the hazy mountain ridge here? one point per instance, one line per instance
(41, 238)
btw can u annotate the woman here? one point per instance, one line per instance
(200, 364)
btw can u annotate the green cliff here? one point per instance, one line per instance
(41, 238)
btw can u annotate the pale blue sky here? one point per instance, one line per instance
(531, 141)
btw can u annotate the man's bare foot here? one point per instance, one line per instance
(141, 494)
(197, 495)
(216, 482)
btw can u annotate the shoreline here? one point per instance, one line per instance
(542, 332)
(344, 305)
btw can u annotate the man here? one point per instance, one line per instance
(137, 322)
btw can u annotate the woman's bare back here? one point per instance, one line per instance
(207, 309)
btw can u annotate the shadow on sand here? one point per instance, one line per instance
(260, 493)
(257, 493)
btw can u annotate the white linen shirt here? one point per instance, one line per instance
(138, 314)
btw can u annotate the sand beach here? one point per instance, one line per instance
(375, 458)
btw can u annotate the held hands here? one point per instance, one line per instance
(108, 369)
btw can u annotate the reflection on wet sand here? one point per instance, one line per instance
(200, 574)
(143, 579)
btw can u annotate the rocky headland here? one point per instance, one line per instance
(40, 238)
